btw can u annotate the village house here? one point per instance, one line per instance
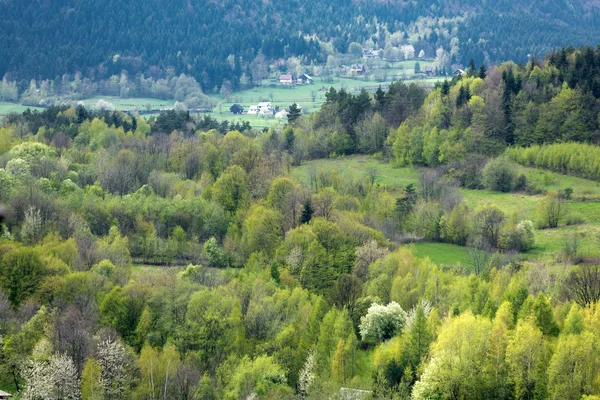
(236, 109)
(458, 72)
(286, 79)
(266, 109)
(370, 53)
(253, 110)
(358, 69)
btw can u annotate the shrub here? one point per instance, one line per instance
(550, 211)
(574, 218)
(520, 183)
(498, 175)
(520, 237)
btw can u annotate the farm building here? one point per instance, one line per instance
(236, 109)
(253, 110)
(458, 72)
(304, 80)
(286, 79)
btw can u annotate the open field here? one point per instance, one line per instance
(393, 179)
(132, 104)
(441, 253)
(7, 108)
(549, 241)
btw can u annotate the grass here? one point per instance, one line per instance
(393, 179)
(133, 104)
(7, 108)
(583, 189)
(441, 253)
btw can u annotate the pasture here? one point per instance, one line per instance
(549, 242)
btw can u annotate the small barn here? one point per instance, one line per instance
(236, 109)
(305, 80)
(4, 395)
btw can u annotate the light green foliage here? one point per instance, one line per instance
(230, 189)
(259, 376)
(456, 227)
(214, 253)
(550, 211)
(17, 167)
(526, 355)
(91, 384)
(577, 159)
(573, 367)
(574, 323)
(263, 231)
(456, 368)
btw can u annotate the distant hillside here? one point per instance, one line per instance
(217, 40)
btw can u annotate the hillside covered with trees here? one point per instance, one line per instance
(226, 40)
(175, 258)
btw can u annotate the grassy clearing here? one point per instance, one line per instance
(393, 179)
(583, 189)
(441, 253)
(7, 108)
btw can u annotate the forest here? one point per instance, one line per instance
(171, 257)
(218, 41)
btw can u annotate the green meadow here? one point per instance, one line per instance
(585, 203)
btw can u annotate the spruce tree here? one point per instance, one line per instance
(293, 113)
(445, 88)
(307, 212)
(482, 71)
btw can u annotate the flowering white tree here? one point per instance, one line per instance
(307, 376)
(111, 357)
(408, 51)
(54, 379)
(382, 322)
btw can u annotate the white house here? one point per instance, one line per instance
(266, 108)
(253, 110)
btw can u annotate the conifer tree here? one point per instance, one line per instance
(307, 212)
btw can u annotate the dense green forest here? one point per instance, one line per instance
(176, 258)
(217, 41)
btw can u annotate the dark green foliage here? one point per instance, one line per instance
(307, 212)
(498, 175)
(293, 113)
